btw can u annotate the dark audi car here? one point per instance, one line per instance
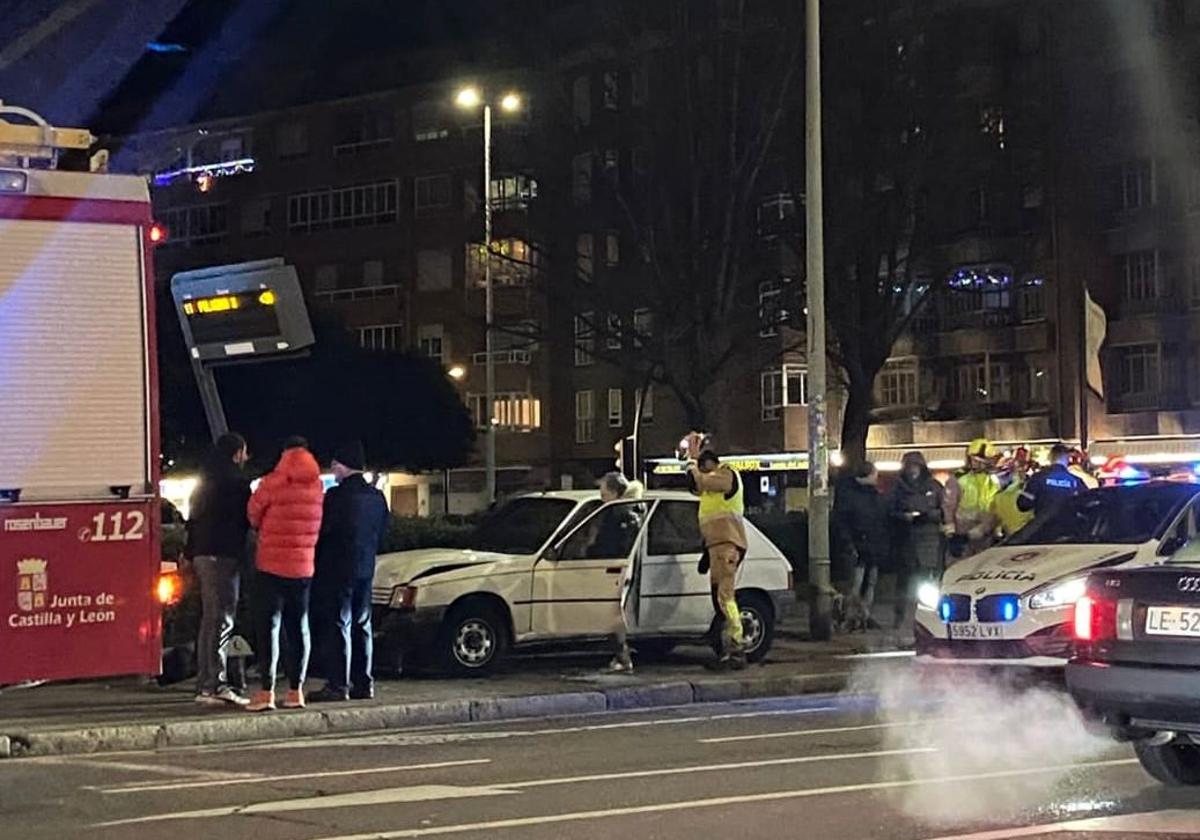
(1136, 668)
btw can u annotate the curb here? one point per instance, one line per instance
(238, 728)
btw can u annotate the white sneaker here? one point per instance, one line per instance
(620, 666)
(231, 697)
(209, 700)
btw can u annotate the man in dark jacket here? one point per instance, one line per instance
(1052, 486)
(863, 517)
(352, 532)
(916, 509)
(216, 545)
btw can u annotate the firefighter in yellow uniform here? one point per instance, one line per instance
(969, 523)
(722, 508)
(1004, 505)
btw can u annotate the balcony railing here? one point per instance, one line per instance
(504, 357)
(360, 293)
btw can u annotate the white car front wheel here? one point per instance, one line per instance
(474, 639)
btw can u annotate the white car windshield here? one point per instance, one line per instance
(1128, 515)
(521, 526)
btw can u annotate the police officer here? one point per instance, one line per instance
(1053, 485)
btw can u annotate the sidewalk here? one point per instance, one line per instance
(131, 714)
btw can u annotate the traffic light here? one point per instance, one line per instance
(626, 461)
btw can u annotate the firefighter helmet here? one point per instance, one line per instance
(981, 448)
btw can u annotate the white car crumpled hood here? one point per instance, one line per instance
(1022, 568)
(402, 566)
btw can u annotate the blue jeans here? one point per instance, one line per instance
(219, 582)
(351, 648)
(282, 600)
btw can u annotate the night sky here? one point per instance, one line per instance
(123, 65)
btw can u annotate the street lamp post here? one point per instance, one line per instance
(471, 97)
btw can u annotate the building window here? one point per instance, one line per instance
(514, 262)
(1139, 370)
(771, 312)
(1134, 187)
(363, 130)
(585, 416)
(204, 224)
(1039, 385)
(616, 411)
(372, 273)
(581, 179)
(1140, 270)
(513, 192)
(431, 341)
(431, 193)
(434, 271)
(326, 278)
(357, 206)
(896, 385)
(612, 249)
(613, 332)
(648, 406)
(381, 337)
(639, 86)
(581, 97)
(429, 122)
(981, 382)
(514, 411)
(256, 217)
(585, 339)
(611, 92)
(291, 140)
(643, 327)
(585, 261)
(783, 387)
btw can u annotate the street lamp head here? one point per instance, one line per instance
(510, 103)
(469, 97)
(457, 373)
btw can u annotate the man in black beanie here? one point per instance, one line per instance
(352, 531)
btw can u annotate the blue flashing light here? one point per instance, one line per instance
(1010, 611)
(160, 47)
(944, 610)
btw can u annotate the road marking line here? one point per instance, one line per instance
(800, 733)
(241, 779)
(666, 807)
(161, 769)
(1157, 822)
(385, 796)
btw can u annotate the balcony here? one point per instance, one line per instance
(359, 293)
(504, 357)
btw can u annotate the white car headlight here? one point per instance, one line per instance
(1058, 594)
(928, 596)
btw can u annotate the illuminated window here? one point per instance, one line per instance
(358, 206)
(783, 387)
(514, 263)
(585, 339)
(515, 411)
(585, 416)
(381, 337)
(513, 192)
(616, 408)
(431, 193)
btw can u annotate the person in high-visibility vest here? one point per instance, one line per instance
(1008, 514)
(722, 509)
(969, 524)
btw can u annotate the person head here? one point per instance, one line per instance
(866, 474)
(913, 466)
(295, 442)
(232, 447)
(348, 459)
(1060, 454)
(980, 455)
(708, 461)
(613, 486)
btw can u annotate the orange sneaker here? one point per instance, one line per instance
(262, 701)
(294, 699)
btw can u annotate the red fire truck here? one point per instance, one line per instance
(80, 575)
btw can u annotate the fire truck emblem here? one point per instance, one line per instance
(32, 591)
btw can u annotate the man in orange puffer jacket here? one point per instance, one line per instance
(286, 512)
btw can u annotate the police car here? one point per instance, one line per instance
(1013, 604)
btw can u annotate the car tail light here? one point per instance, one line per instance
(1095, 619)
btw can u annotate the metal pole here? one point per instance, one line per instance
(821, 615)
(210, 398)
(490, 364)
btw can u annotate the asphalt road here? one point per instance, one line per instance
(906, 757)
